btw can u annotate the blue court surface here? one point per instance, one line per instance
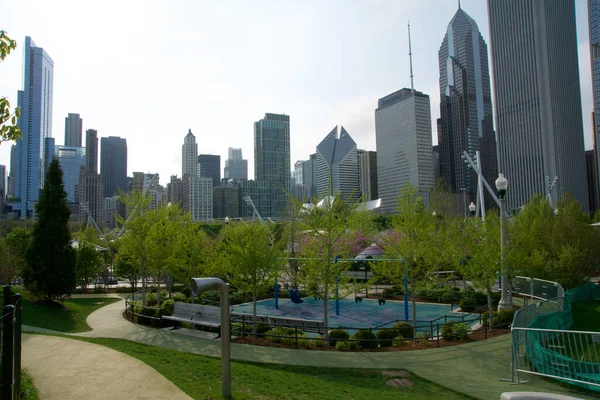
(367, 314)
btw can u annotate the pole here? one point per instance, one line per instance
(276, 287)
(337, 287)
(504, 300)
(405, 292)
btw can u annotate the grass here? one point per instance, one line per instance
(68, 317)
(200, 378)
(586, 316)
(28, 391)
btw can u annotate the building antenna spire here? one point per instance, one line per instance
(412, 86)
(459, 4)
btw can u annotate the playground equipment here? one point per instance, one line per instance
(295, 296)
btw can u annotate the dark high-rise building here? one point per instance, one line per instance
(235, 166)
(260, 192)
(91, 186)
(272, 158)
(73, 129)
(337, 166)
(2, 181)
(175, 190)
(594, 27)
(537, 99)
(48, 154)
(367, 174)
(113, 164)
(226, 201)
(12, 176)
(466, 122)
(209, 166)
(592, 179)
(35, 122)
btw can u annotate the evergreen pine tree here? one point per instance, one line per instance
(50, 271)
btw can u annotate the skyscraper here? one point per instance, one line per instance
(71, 160)
(367, 174)
(466, 122)
(12, 176)
(198, 197)
(91, 187)
(594, 27)
(48, 154)
(537, 99)
(403, 140)
(337, 166)
(209, 166)
(189, 155)
(35, 123)
(235, 166)
(2, 181)
(73, 129)
(113, 164)
(272, 158)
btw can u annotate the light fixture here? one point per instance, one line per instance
(501, 184)
(472, 207)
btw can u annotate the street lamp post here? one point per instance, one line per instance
(200, 285)
(505, 301)
(472, 208)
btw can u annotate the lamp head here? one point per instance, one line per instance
(200, 285)
(501, 184)
(226, 220)
(472, 207)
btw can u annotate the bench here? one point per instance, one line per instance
(196, 314)
(307, 325)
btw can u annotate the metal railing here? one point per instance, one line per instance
(10, 358)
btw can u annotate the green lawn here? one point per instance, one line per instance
(586, 316)
(67, 317)
(199, 377)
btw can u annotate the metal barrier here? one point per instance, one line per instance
(543, 345)
(10, 364)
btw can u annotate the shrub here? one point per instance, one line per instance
(398, 341)
(167, 307)
(261, 329)
(353, 345)
(238, 328)
(453, 331)
(468, 305)
(405, 329)
(387, 293)
(179, 296)
(385, 336)
(501, 319)
(320, 343)
(367, 339)
(398, 289)
(337, 334)
(340, 346)
(282, 331)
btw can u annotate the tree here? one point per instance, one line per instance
(8, 120)
(17, 242)
(408, 240)
(249, 259)
(89, 264)
(8, 268)
(193, 249)
(126, 268)
(330, 231)
(50, 268)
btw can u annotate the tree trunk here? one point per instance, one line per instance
(414, 310)
(254, 311)
(144, 285)
(490, 308)
(325, 311)
(158, 291)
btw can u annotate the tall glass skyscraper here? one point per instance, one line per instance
(235, 166)
(71, 160)
(209, 166)
(538, 99)
(466, 122)
(272, 158)
(113, 164)
(73, 130)
(35, 122)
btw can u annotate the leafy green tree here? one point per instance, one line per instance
(89, 264)
(194, 251)
(17, 242)
(8, 120)
(8, 266)
(126, 268)
(330, 231)
(50, 268)
(409, 240)
(248, 257)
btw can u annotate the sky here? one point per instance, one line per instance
(149, 70)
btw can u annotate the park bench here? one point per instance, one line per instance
(196, 314)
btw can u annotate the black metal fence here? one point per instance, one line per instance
(10, 347)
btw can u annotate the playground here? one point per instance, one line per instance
(367, 313)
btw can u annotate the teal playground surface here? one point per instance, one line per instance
(366, 314)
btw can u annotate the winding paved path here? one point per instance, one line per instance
(474, 368)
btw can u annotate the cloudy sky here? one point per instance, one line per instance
(150, 70)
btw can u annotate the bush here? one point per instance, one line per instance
(353, 345)
(398, 289)
(340, 346)
(398, 341)
(468, 305)
(455, 331)
(501, 319)
(179, 296)
(405, 329)
(337, 334)
(167, 307)
(238, 328)
(261, 329)
(282, 331)
(387, 293)
(367, 339)
(385, 336)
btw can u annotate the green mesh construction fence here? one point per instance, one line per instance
(551, 349)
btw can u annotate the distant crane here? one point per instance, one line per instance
(256, 214)
(144, 190)
(90, 220)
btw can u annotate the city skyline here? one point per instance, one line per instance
(316, 96)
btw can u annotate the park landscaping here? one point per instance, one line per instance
(586, 316)
(199, 377)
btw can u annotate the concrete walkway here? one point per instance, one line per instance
(474, 368)
(67, 369)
